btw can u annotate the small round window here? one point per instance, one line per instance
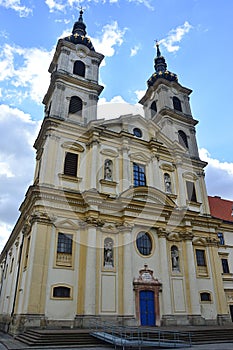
(137, 132)
(144, 243)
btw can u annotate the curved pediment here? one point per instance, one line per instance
(148, 194)
(139, 157)
(74, 146)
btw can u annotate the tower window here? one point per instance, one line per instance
(76, 105)
(153, 108)
(183, 138)
(61, 292)
(191, 192)
(79, 68)
(139, 175)
(177, 104)
(200, 256)
(225, 266)
(221, 238)
(144, 243)
(71, 163)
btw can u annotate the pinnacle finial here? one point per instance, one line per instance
(158, 50)
(79, 26)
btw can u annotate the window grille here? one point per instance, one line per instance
(139, 175)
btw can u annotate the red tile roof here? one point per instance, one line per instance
(221, 208)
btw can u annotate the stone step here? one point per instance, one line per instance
(77, 337)
(52, 338)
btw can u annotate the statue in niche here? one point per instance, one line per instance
(175, 258)
(108, 170)
(108, 253)
(167, 182)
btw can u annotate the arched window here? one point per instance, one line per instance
(61, 292)
(183, 139)
(108, 253)
(108, 170)
(167, 183)
(76, 105)
(153, 108)
(175, 258)
(177, 104)
(205, 296)
(79, 68)
(144, 243)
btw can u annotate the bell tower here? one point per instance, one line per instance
(166, 102)
(74, 89)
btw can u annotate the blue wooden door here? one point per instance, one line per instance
(147, 308)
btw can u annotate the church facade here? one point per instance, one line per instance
(116, 225)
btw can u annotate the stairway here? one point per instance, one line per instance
(59, 337)
(82, 338)
(212, 335)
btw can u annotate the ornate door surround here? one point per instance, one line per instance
(147, 282)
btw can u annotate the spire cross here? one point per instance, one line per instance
(81, 10)
(157, 46)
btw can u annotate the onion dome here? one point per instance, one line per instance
(78, 35)
(160, 69)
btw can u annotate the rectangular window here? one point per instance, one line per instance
(64, 249)
(201, 262)
(200, 255)
(27, 252)
(12, 264)
(225, 266)
(221, 238)
(139, 176)
(191, 192)
(71, 164)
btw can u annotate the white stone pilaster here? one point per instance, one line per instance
(90, 288)
(128, 274)
(194, 295)
(165, 274)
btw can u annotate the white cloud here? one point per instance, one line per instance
(61, 5)
(140, 93)
(111, 36)
(17, 134)
(5, 231)
(15, 5)
(219, 176)
(134, 50)
(147, 3)
(32, 75)
(54, 5)
(175, 36)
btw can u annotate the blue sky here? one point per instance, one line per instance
(195, 38)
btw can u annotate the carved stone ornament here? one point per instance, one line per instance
(94, 221)
(146, 276)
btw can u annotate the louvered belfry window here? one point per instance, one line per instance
(79, 68)
(76, 105)
(71, 163)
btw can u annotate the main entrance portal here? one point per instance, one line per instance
(147, 289)
(147, 308)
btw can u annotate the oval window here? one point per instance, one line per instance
(137, 132)
(144, 243)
